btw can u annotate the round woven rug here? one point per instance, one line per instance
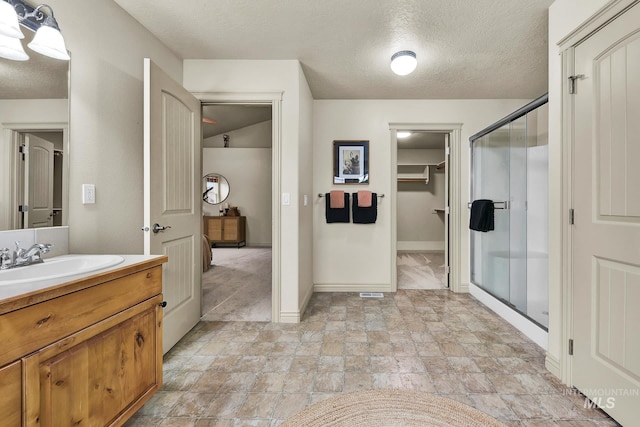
(387, 408)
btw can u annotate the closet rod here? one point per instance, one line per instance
(322, 195)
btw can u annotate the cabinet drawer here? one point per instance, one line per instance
(31, 328)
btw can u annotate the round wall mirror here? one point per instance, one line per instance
(215, 188)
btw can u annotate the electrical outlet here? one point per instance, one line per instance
(88, 194)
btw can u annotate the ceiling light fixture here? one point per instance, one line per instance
(403, 134)
(47, 41)
(403, 62)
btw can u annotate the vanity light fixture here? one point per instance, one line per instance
(47, 41)
(403, 134)
(403, 62)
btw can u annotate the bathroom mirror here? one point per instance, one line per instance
(215, 189)
(33, 105)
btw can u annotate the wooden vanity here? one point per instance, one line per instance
(87, 352)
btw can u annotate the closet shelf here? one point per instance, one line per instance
(413, 173)
(440, 166)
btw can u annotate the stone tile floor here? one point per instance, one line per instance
(258, 374)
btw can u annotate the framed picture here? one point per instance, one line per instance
(351, 162)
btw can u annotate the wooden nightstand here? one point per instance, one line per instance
(226, 230)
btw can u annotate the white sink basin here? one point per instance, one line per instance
(57, 267)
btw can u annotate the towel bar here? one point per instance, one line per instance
(505, 205)
(379, 195)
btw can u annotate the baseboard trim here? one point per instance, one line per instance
(290, 317)
(305, 301)
(553, 365)
(351, 287)
(463, 288)
(421, 246)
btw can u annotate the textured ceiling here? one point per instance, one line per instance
(465, 48)
(232, 117)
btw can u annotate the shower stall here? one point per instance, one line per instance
(509, 161)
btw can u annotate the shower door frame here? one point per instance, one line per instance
(519, 113)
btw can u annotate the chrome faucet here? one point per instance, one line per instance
(21, 257)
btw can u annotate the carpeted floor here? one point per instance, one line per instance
(238, 286)
(421, 270)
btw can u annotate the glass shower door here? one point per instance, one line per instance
(491, 169)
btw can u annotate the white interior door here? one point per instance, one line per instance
(38, 188)
(172, 187)
(606, 234)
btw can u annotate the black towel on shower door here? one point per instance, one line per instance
(336, 214)
(481, 215)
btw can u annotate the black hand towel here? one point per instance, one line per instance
(336, 215)
(481, 215)
(365, 215)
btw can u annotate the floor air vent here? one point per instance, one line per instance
(371, 295)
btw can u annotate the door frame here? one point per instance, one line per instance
(9, 159)
(454, 242)
(275, 100)
(567, 50)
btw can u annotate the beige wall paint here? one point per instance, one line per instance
(417, 222)
(254, 136)
(255, 76)
(305, 212)
(248, 171)
(22, 111)
(564, 17)
(352, 255)
(106, 122)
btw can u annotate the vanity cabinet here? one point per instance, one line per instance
(226, 229)
(11, 392)
(92, 356)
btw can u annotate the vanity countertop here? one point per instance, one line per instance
(13, 297)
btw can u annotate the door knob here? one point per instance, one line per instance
(157, 227)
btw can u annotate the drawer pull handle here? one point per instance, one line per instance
(148, 275)
(43, 321)
(163, 304)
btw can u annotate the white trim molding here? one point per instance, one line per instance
(275, 100)
(352, 287)
(456, 203)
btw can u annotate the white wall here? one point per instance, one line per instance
(355, 256)
(564, 17)
(305, 212)
(106, 121)
(22, 111)
(254, 136)
(255, 76)
(248, 171)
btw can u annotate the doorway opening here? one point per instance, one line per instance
(237, 154)
(422, 213)
(38, 190)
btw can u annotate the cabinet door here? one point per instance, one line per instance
(11, 395)
(230, 229)
(98, 381)
(214, 229)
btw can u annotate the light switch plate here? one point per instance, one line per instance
(88, 194)
(306, 200)
(286, 199)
